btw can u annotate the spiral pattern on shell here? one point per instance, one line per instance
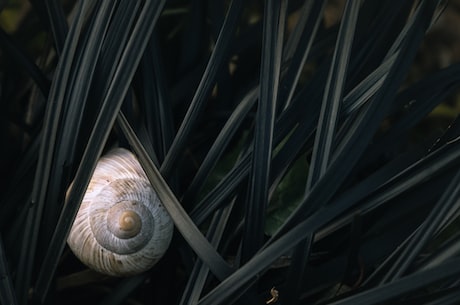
(121, 228)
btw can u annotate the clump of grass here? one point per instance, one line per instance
(296, 155)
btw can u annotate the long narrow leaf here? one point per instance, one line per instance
(7, 293)
(215, 62)
(52, 116)
(107, 116)
(183, 223)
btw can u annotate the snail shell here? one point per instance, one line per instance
(121, 228)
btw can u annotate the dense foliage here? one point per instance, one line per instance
(302, 148)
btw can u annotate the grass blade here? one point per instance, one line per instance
(207, 81)
(54, 111)
(432, 222)
(322, 149)
(405, 285)
(7, 293)
(124, 74)
(274, 20)
(182, 221)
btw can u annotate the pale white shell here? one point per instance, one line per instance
(121, 228)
